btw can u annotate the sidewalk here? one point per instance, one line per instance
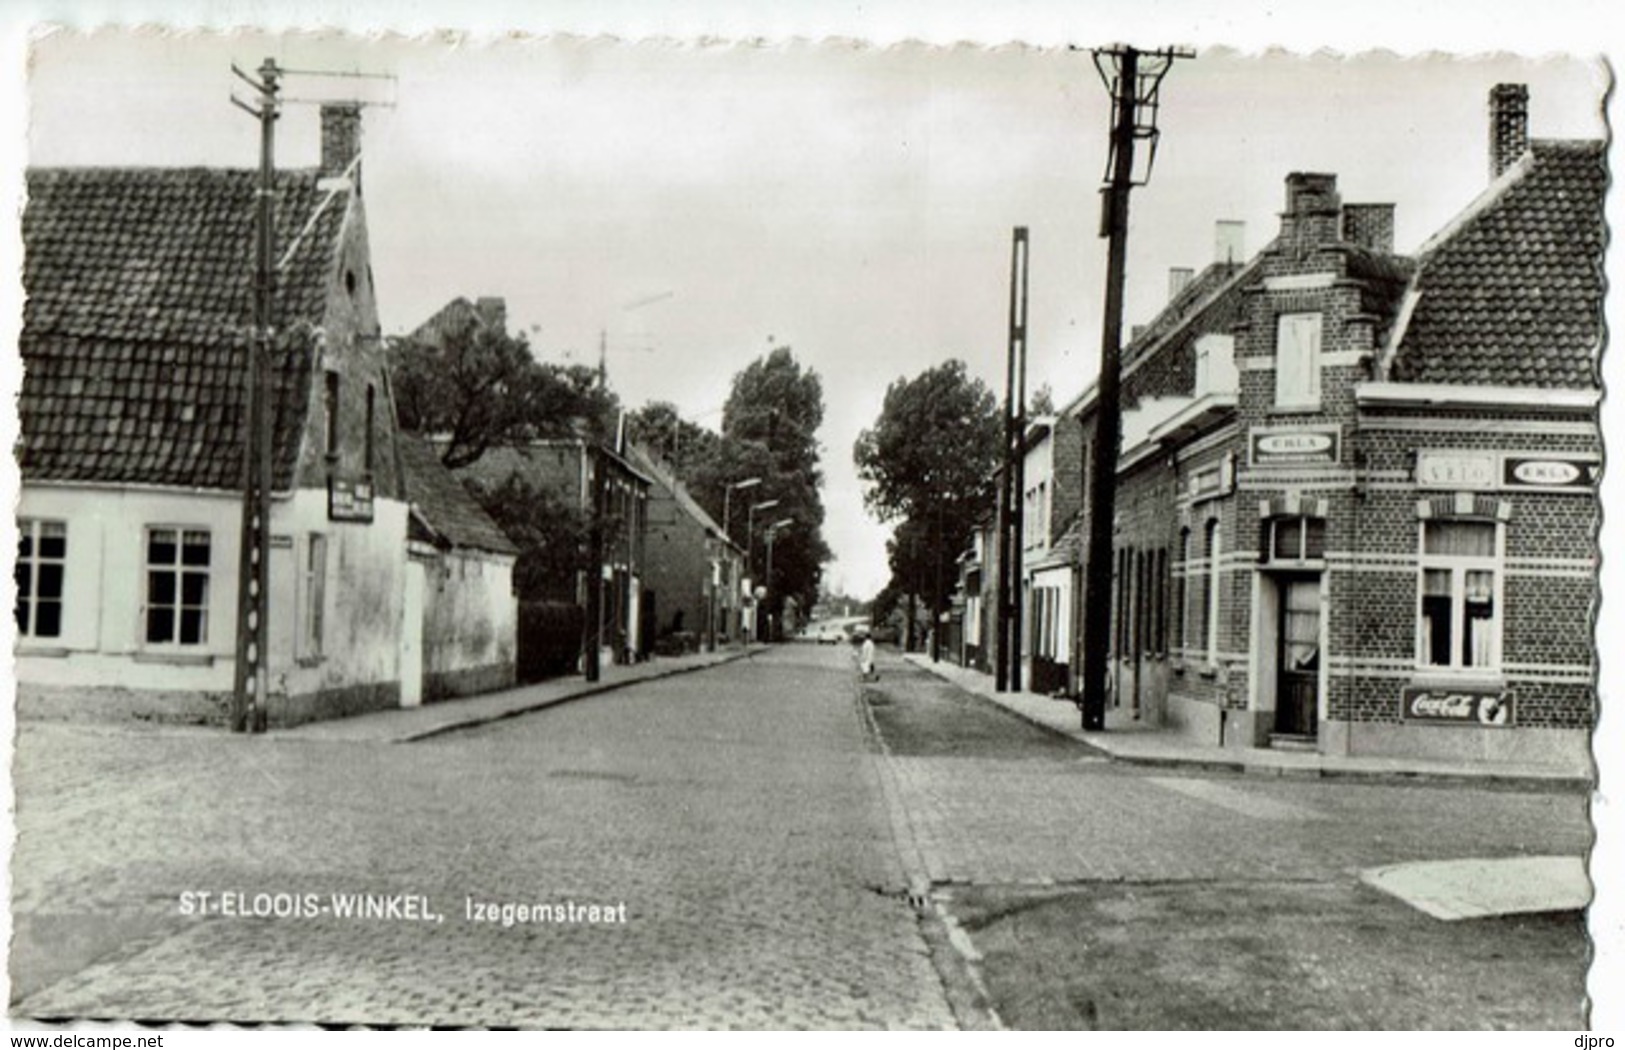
(1158, 747)
(402, 725)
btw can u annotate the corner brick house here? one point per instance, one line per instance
(1357, 503)
(460, 617)
(134, 344)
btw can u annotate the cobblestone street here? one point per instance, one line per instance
(763, 848)
(736, 812)
(1098, 894)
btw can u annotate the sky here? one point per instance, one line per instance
(694, 206)
(850, 201)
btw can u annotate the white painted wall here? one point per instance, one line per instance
(103, 641)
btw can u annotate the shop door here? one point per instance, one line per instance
(1298, 681)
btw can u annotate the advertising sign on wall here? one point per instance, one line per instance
(1456, 706)
(1267, 447)
(349, 499)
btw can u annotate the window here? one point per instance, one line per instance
(331, 410)
(366, 448)
(1210, 604)
(42, 551)
(177, 586)
(1460, 623)
(314, 590)
(1297, 361)
(1296, 538)
(1182, 597)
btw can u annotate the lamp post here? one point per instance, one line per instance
(772, 530)
(727, 498)
(750, 523)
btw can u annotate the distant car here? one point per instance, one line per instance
(829, 634)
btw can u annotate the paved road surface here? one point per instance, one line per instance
(735, 811)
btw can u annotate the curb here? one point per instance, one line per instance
(1562, 784)
(594, 689)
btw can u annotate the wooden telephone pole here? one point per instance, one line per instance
(250, 683)
(1133, 77)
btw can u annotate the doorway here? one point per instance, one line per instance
(1297, 684)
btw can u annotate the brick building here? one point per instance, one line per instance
(1357, 506)
(134, 346)
(692, 571)
(565, 468)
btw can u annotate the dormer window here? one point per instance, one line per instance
(1215, 364)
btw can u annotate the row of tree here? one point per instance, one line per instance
(477, 387)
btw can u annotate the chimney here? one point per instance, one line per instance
(1229, 242)
(1179, 278)
(1313, 210)
(1371, 226)
(341, 137)
(1509, 126)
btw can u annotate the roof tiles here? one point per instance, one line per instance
(1512, 296)
(139, 308)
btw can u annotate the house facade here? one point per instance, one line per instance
(1357, 503)
(693, 573)
(568, 469)
(134, 346)
(460, 614)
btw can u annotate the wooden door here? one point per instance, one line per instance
(1297, 692)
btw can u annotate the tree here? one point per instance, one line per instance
(1042, 402)
(928, 463)
(769, 431)
(551, 534)
(686, 447)
(478, 387)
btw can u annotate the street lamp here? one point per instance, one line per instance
(727, 498)
(750, 523)
(772, 530)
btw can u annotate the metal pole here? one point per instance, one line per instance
(1108, 416)
(250, 685)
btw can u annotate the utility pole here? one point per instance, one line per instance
(592, 631)
(1007, 630)
(1133, 78)
(250, 683)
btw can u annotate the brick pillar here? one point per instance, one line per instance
(1509, 126)
(1313, 210)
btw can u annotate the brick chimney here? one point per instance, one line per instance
(1230, 242)
(341, 137)
(1509, 126)
(1179, 278)
(1371, 226)
(1313, 210)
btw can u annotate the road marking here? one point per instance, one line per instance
(1237, 801)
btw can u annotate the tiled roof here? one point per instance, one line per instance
(139, 287)
(1512, 295)
(645, 462)
(443, 502)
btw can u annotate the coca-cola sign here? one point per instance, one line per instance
(1459, 706)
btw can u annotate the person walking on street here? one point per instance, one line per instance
(866, 657)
